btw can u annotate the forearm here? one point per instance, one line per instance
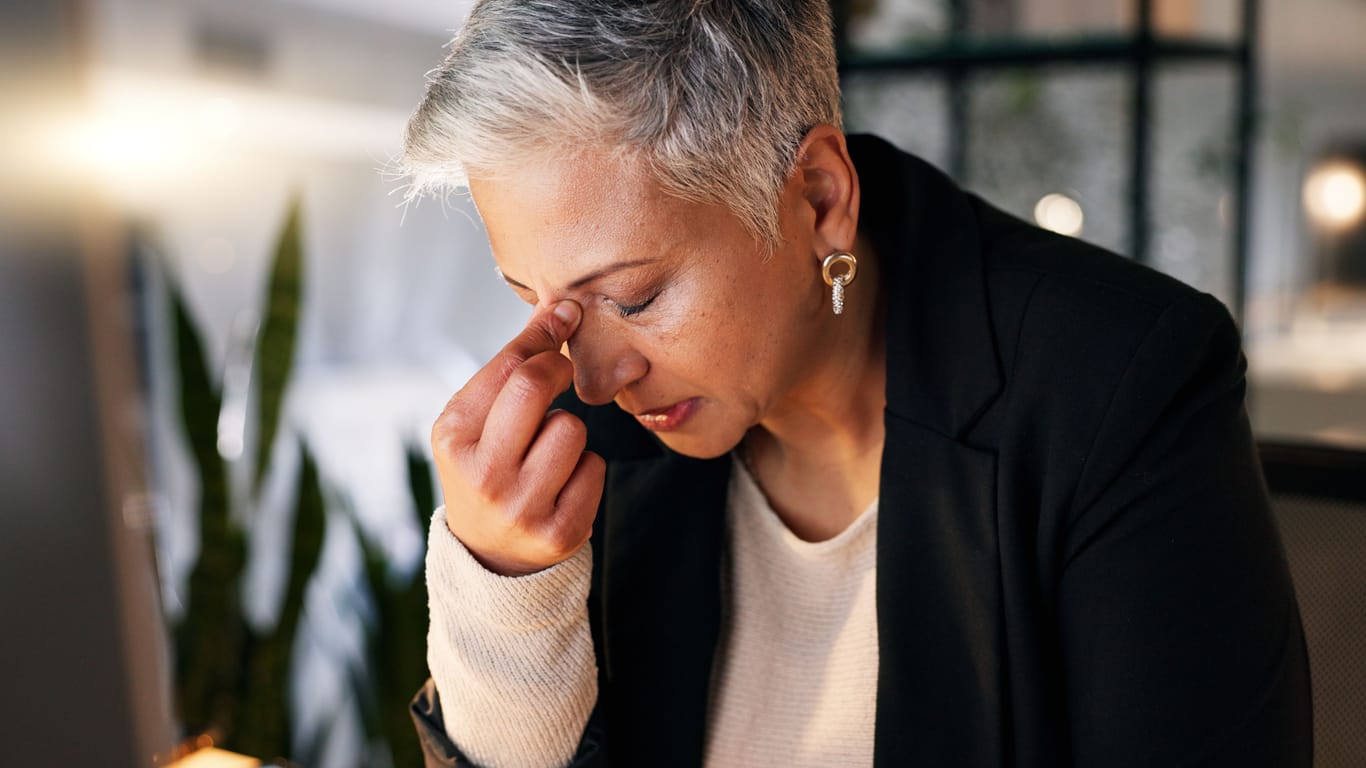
(512, 658)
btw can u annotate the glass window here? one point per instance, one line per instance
(907, 110)
(1191, 177)
(1049, 146)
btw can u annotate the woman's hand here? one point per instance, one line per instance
(521, 491)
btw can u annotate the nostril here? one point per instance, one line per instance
(591, 395)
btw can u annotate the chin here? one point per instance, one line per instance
(704, 446)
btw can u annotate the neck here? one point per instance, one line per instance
(823, 442)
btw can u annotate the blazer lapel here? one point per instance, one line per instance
(661, 604)
(942, 365)
(940, 671)
(941, 666)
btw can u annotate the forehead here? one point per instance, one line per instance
(587, 208)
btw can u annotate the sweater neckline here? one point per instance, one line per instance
(753, 496)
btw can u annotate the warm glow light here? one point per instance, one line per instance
(128, 153)
(120, 145)
(220, 117)
(1335, 195)
(212, 757)
(1059, 213)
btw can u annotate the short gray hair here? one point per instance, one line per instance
(713, 96)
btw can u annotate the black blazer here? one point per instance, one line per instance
(1077, 562)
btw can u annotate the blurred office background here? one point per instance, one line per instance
(153, 151)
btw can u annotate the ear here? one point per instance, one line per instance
(830, 188)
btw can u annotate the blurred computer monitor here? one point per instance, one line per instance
(83, 666)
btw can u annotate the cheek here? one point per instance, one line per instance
(712, 355)
(697, 332)
(721, 324)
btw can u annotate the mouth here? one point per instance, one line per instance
(668, 418)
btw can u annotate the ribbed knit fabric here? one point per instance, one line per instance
(796, 677)
(795, 680)
(512, 658)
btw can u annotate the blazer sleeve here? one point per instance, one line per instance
(1181, 637)
(439, 752)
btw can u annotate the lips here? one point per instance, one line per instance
(668, 418)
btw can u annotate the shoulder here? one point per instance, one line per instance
(1080, 280)
(1060, 301)
(1097, 354)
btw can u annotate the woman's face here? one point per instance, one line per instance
(688, 321)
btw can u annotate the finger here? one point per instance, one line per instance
(519, 409)
(553, 457)
(547, 330)
(577, 506)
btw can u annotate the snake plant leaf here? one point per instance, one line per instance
(275, 342)
(266, 723)
(210, 635)
(366, 677)
(397, 650)
(408, 648)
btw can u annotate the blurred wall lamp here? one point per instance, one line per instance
(1335, 205)
(1335, 195)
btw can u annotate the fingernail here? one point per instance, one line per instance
(568, 311)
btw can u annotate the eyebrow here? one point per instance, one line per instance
(586, 279)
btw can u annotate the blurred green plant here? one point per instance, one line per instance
(232, 679)
(266, 726)
(209, 638)
(396, 657)
(275, 341)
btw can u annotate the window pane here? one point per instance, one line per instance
(909, 111)
(1191, 179)
(882, 25)
(1058, 132)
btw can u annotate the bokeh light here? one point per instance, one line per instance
(1335, 195)
(1059, 213)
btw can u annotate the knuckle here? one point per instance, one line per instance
(529, 382)
(440, 439)
(559, 539)
(555, 365)
(592, 471)
(513, 520)
(444, 442)
(506, 362)
(486, 479)
(537, 337)
(454, 417)
(567, 430)
(541, 335)
(593, 463)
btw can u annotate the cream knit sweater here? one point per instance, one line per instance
(795, 678)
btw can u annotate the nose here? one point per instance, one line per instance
(604, 362)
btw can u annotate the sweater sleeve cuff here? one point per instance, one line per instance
(523, 603)
(512, 657)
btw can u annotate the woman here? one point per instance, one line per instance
(856, 470)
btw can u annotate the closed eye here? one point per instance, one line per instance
(627, 311)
